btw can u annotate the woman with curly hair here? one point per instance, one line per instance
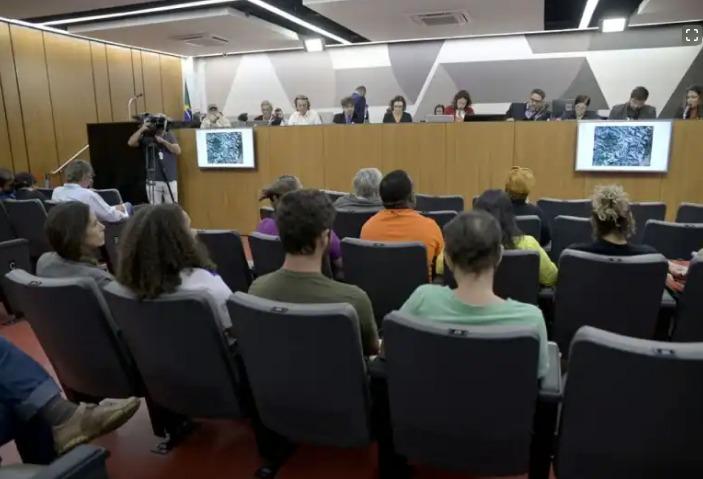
(159, 254)
(613, 224)
(461, 106)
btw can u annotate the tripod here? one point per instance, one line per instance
(152, 160)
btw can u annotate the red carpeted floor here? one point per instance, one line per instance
(216, 449)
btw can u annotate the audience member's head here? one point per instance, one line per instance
(462, 100)
(472, 244)
(439, 110)
(156, 246)
(398, 105)
(638, 97)
(694, 96)
(302, 104)
(80, 172)
(366, 183)
(497, 203)
(536, 102)
(612, 217)
(304, 219)
(213, 111)
(361, 90)
(348, 106)
(74, 232)
(396, 191)
(519, 183)
(283, 184)
(243, 117)
(6, 180)
(24, 180)
(266, 109)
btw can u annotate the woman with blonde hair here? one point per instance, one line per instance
(518, 186)
(613, 224)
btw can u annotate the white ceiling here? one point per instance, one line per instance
(662, 11)
(380, 20)
(40, 8)
(162, 32)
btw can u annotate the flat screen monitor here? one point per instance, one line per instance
(624, 146)
(226, 148)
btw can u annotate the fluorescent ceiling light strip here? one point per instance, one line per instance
(298, 21)
(143, 11)
(588, 14)
(38, 26)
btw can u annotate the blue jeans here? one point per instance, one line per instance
(25, 387)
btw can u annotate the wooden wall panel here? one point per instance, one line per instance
(72, 92)
(299, 151)
(151, 71)
(549, 148)
(30, 62)
(101, 81)
(5, 150)
(172, 87)
(11, 100)
(350, 148)
(683, 181)
(119, 64)
(479, 156)
(138, 80)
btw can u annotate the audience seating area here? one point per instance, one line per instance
(457, 398)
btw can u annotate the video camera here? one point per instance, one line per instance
(155, 123)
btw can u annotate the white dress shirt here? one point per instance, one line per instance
(198, 279)
(102, 211)
(311, 117)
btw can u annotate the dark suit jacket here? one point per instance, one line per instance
(517, 113)
(589, 115)
(340, 120)
(406, 118)
(619, 112)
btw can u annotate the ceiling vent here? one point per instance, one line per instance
(441, 19)
(202, 40)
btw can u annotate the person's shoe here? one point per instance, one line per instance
(93, 420)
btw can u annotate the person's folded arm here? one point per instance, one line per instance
(105, 212)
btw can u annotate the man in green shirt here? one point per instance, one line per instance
(472, 251)
(304, 220)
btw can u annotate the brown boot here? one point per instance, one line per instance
(93, 420)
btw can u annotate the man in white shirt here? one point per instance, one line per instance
(215, 118)
(79, 178)
(303, 114)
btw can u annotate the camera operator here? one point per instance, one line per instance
(154, 132)
(214, 118)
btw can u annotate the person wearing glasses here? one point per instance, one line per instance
(303, 115)
(535, 109)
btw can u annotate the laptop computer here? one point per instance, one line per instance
(439, 118)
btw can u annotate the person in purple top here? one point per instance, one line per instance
(285, 184)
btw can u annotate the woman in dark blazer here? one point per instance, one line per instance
(396, 113)
(580, 110)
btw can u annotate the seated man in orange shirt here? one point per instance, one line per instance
(398, 221)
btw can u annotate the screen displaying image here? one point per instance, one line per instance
(641, 146)
(226, 148)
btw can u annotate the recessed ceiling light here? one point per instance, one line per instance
(613, 25)
(314, 44)
(588, 14)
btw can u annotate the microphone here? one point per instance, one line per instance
(686, 110)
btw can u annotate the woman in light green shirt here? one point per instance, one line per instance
(498, 204)
(472, 251)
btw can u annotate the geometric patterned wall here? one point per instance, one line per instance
(495, 70)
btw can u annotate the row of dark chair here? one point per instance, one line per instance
(463, 398)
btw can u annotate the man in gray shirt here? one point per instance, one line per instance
(635, 109)
(365, 197)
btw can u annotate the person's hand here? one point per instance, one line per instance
(510, 119)
(121, 208)
(159, 139)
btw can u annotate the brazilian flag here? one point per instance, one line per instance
(187, 112)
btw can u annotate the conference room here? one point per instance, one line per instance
(351, 238)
